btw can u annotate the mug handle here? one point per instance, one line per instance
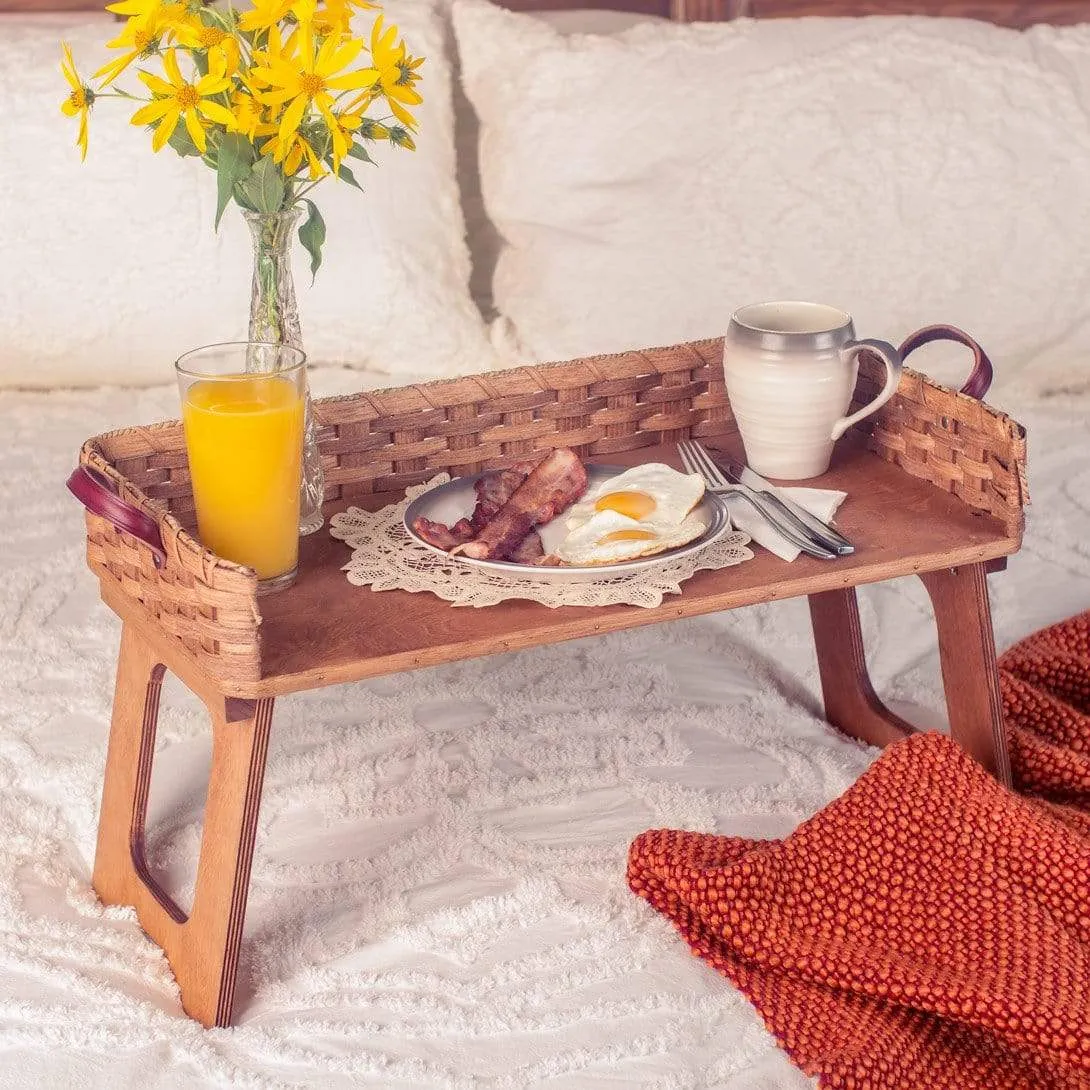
(96, 492)
(979, 381)
(891, 358)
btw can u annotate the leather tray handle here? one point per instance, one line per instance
(980, 378)
(96, 492)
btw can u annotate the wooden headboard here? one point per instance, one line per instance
(1016, 13)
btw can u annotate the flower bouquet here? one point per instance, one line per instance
(275, 97)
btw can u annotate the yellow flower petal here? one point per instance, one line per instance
(215, 112)
(170, 65)
(344, 56)
(211, 85)
(109, 72)
(152, 111)
(324, 102)
(403, 94)
(165, 130)
(217, 66)
(401, 113)
(353, 81)
(154, 84)
(196, 130)
(68, 67)
(276, 98)
(293, 115)
(316, 169)
(293, 160)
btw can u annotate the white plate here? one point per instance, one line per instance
(456, 500)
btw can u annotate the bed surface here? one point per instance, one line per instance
(438, 896)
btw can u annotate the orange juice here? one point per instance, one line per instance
(244, 436)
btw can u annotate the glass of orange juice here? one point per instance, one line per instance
(242, 411)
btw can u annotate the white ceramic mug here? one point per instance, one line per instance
(790, 370)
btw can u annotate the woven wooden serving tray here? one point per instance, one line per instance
(935, 478)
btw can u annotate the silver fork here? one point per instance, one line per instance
(697, 460)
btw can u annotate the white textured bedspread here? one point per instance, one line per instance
(438, 894)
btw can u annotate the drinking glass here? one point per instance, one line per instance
(242, 411)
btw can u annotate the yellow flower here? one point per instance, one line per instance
(373, 130)
(249, 117)
(179, 99)
(292, 154)
(200, 37)
(397, 72)
(332, 19)
(401, 138)
(140, 37)
(342, 132)
(80, 98)
(265, 14)
(299, 76)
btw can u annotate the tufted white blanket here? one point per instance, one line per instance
(438, 896)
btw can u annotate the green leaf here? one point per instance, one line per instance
(181, 142)
(346, 175)
(357, 151)
(264, 188)
(234, 162)
(243, 202)
(312, 236)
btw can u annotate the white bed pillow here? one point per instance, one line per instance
(909, 170)
(111, 269)
(481, 235)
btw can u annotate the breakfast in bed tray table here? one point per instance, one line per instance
(935, 485)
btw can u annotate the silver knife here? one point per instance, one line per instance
(829, 537)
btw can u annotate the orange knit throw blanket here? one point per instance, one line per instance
(928, 929)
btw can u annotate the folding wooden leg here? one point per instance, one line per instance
(969, 674)
(966, 650)
(203, 947)
(851, 704)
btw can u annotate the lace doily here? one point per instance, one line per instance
(385, 557)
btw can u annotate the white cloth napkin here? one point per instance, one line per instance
(821, 502)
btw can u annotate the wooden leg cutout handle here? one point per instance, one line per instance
(203, 947)
(851, 704)
(966, 650)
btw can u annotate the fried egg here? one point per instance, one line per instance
(648, 493)
(609, 537)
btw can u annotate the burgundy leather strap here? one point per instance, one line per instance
(980, 378)
(96, 492)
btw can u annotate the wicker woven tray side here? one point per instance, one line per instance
(205, 601)
(386, 440)
(957, 443)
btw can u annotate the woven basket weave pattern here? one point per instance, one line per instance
(382, 442)
(954, 441)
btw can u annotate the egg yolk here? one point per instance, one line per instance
(636, 505)
(626, 535)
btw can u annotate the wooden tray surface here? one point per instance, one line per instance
(324, 630)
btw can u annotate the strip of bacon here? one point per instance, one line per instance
(529, 551)
(551, 488)
(444, 537)
(495, 489)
